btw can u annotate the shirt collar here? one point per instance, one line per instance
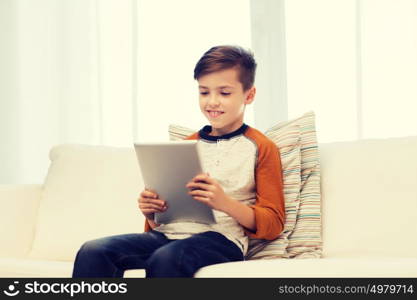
(204, 133)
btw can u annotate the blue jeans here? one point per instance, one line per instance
(153, 251)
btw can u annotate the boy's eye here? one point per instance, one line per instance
(222, 93)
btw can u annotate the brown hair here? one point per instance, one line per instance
(219, 58)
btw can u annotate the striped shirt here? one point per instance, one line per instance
(247, 165)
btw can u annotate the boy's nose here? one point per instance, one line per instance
(213, 100)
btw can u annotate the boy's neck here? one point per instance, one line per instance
(207, 133)
(233, 129)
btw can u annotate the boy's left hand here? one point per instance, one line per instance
(207, 190)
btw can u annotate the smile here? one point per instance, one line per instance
(214, 114)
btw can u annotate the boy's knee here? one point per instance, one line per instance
(164, 255)
(172, 261)
(93, 246)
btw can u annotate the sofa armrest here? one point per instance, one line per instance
(18, 213)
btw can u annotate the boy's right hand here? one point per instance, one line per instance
(149, 203)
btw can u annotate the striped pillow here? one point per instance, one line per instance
(301, 237)
(306, 240)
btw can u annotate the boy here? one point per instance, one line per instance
(243, 186)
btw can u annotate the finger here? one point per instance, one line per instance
(199, 185)
(200, 193)
(149, 211)
(152, 200)
(202, 200)
(152, 206)
(150, 191)
(148, 206)
(151, 194)
(159, 202)
(146, 194)
(156, 202)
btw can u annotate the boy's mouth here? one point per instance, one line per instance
(215, 113)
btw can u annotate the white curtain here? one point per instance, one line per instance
(351, 61)
(268, 43)
(110, 72)
(68, 70)
(8, 93)
(103, 72)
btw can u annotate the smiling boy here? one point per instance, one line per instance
(243, 185)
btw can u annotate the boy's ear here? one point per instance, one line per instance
(251, 95)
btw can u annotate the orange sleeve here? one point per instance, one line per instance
(269, 207)
(193, 136)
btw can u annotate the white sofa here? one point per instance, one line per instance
(369, 213)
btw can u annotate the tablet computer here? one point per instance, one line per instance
(166, 168)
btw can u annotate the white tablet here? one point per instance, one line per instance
(166, 168)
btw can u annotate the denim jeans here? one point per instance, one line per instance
(153, 251)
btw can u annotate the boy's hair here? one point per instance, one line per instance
(219, 58)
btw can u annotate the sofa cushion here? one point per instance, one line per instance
(348, 266)
(369, 197)
(24, 267)
(89, 192)
(18, 215)
(301, 237)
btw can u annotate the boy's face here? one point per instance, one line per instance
(223, 92)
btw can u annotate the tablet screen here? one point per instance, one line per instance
(166, 168)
